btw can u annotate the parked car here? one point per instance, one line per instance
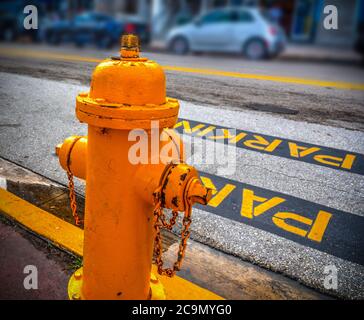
(234, 30)
(9, 28)
(90, 27)
(93, 28)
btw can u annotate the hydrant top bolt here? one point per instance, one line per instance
(130, 46)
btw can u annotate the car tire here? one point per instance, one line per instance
(104, 41)
(255, 49)
(179, 45)
(53, 38)
(79, 44)
(9, 34)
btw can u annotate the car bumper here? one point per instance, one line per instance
(276, 47)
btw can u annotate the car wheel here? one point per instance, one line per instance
(9, 34)
(104, 42)
(255, 49)
(53, 38)
(79, 44)
(179, 45)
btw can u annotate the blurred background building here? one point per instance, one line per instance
(302, 20)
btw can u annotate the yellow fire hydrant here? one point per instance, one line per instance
(125, 200)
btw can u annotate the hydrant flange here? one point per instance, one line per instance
(123, 116)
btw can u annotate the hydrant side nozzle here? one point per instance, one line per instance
(180, 186)
(73, 152)
(58, 148)
(198, 193)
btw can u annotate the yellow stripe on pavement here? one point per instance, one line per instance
(303, 81)
(69, 237)
(23, 53)
(13, 52)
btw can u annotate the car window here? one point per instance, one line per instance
(82, 18)
(101, 18)
(217, 17)
(245, 16)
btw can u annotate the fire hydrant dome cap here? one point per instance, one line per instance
(129, 81)
(127, 92)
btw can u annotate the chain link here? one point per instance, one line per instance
(161, 222)
(71, 186)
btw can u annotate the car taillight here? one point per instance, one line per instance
(273, 30)
(130, 28)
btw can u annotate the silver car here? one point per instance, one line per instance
(235, 30)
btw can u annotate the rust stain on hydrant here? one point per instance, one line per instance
(125, 201)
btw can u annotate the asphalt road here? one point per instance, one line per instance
(312, 103)
(37, 112)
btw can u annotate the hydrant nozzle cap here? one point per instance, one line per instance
(197, 192)
(130, 46)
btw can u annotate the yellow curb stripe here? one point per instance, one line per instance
(10, 52)
(69, 237)
(41, 222)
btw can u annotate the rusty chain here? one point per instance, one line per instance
(160, 221)
(71, 186)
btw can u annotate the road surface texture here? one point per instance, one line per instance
(316, 223)
(341, 108)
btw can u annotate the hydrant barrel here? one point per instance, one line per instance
(118, 244)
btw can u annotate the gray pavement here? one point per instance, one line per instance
(37, 114)
(233, 63)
